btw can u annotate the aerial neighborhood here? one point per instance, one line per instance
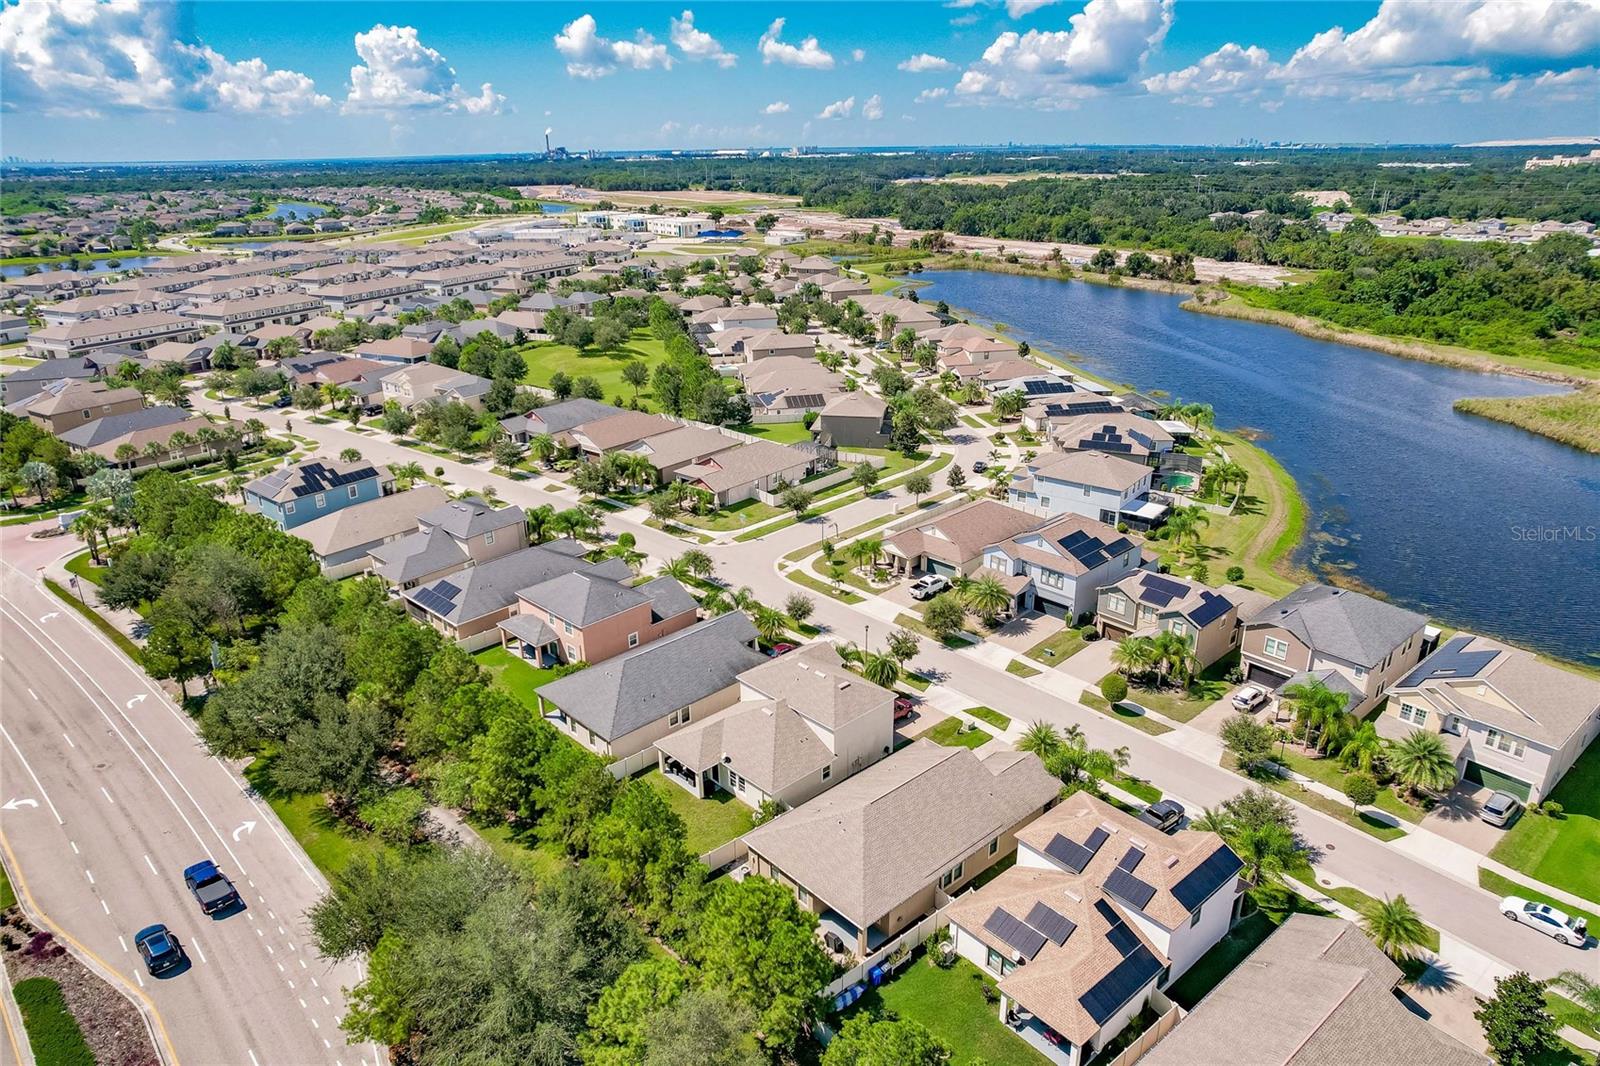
(878, 667)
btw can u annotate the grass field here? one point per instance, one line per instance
(1022, 669)
(991, 716)
(1569, 417)
(519, 677)
(1182, 705)
(1143, 723)
(952, 1005)
(1564, 851)
(949, 733)
(1057, 649)
(780, 432)
(606, 368)
(328, 843)
(53, 1032)
(711, 822)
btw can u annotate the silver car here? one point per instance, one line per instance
(1500, 809)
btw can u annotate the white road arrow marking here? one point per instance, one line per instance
(13, 804)
(49, 615)
(137, 699)
(244, 827)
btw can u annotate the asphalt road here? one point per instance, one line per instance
(105, 796)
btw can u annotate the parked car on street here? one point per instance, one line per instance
(929, 586)
(159, 949)
(979, 466)
(1501, 809)
(1559, 925)
(1249, 698)
(1166, 815)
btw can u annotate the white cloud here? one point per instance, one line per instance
(1022, 8)
(839, 108)
(925, 63)
(808, 54)
(777, 107)
(590, 55)
(929, 95)
(75, 59)
(872, 110)
(697, 44)
(1577, 84)
(1408, 52)
(1107, 44)
(400, 73)
(858, 54)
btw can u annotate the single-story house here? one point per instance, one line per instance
(557, 418)
(140, 430)
(953, 543)
(740, 472)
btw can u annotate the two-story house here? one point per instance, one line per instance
(557, 418)
(1119, 433)
(1059, 567)
(1513, 721)
(63, 404)
(422, 382)
(1349, 641)
(592, 615)
(1146, 603)
(1104, 487)
(448, 538)
(803, 723)
(1098, 915)
(314, 487)
(876, 853)
(953, 543)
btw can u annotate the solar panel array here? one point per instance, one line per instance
(1204, 879)
(1105, 439)
(1014, 931)
(1051, 923)
(1123, 884)
(439, 598)
(1451, 661)
(314, 478)
(1212, 607)
(1120, 985)
(1160, 591)
(1045, 388)
(1071, 854)
(1122, 938)
(1090, 550)
(1130, 859)
(807, 400)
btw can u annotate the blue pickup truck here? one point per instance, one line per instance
(211, 889)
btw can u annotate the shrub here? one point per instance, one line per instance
(1114, 687)
(1235, 574)
(1551, 808)
(1361, 788)
(396, 816)
(1089, 633)
(438, 471)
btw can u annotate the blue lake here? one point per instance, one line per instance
(1480, 525)
(86, 266)
(291, 210)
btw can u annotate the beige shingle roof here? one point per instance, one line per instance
(765, 741)
(814, 680)
(963, 533)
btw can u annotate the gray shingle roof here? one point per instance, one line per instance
(493, 586)
(1341, 623)
(646, 684)
(471, 517)
(106, 429)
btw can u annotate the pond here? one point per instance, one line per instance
(291, 210)
(1478, 524)
(85, 266)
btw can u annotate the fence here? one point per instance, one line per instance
(631, 765)
(1170, 1016)
(725, 855)
(910, 936)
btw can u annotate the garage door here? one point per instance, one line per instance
(1264, 677)
(935, 566)
(1050, 607)
(1488, 777)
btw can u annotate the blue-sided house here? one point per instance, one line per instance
(315, 487)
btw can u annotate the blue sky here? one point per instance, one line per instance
(148, 79)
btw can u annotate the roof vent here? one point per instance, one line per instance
(1073, 895)
(1108, 827)
(1172, 860)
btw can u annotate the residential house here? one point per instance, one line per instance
(590, 615)
(1512, 720)
(88, 336)
(854, 420)
(294, 495)
(1139, 439)
(1317, 992)
(1044, 412)
(740, 316)
(139, 430)
(742, 472)
(556, 419)
(1146, 603)
(366, 292)
(31, 380)
(13, 328)
(625, 705)
(69, 402)
(433, 382)
(953, 543)
(880, 850)
(803, 723)
(595, 438)
(341, 542)
(396, 350)
(678, 448)
(451, 537)
(1105, 487)
(452, 281)
(469, 605)
(851, 288)
(787, 388)
(1099, 914)
(1351, 642)
(771, 343)
(1059, 567)
(242, 316)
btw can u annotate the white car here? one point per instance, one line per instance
(1545, 918)
(926, 588)
(1249, 698)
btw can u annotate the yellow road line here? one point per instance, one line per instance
(11, 1032)
(18, 882)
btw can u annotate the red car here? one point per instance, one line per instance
(902, 708)
(781, 649)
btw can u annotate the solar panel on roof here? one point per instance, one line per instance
(1012, 930)
(1068, 853)
(1121, 937)
(1045, 388)
(1126, 886)
(1199, 883)
(432, 601)
(1212, 607)
(1130, 860)
(1051, 923)
(1125, 981)
(1096, 838)
(447, 590)
(1160, 591)
(1451, 661)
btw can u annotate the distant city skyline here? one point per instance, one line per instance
(144, 80)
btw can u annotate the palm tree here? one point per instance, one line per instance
(541, 523)
(90, 525)
(255, 427)
(1210, 820)
(987, 597)
(715, 603)
(408, 473)
(1171, 654)
(744, 598)
(155, 450)
(1582, 990)
(771, 625)
(1183, 528)
(1363, 750)
(1394, 926)
(126, 454)
(1319, 708)
(208, 438)
(881, 670)
(179, 442)
(1422, 763)
(700, 563)
(865, 551)
(677, 568)
(1266, 850)
(1133, 655)
(236, 483)
(543, 447)
(1041, 738)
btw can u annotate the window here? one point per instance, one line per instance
(1194, 919)
(572, 654)
(633, 640)
(827, 772)
(999, 964)
(355, 490)
(1361, 671)
(1506, 743)
(1179, 627)
(1117, 603)
(994, 845)
(488, 536)
(88, 415)
(1044, 501)
(738, 782)
(1414, 715)
(1275, 648)
(1051, 579)
(1087, 490)
(288, 508)
(566, 627)
(951, 876)
(322, 500)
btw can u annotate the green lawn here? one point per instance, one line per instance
(951, 1004)
(814, 584)
(1242, 939)
(606, 368)
(519, 676)
(1142, 722)
(1367, 823)
(1021, 669)
(1566, 1012)
(1137, 786)
(711, 822)
(96, 619)
(538, 861)
(1057, 649)
(990, 715)
(329, 843)
(1504, 886)
(1182, 705)
(780, 432)
(53, 1032)
(83, 566)
(948, 733)
(1358, 901)
(735, 516)
(8, 895)
(1329, 772)
(1564, 851)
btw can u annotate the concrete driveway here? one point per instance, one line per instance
(1456, 817)
(1024, 632)
(1092, 663)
